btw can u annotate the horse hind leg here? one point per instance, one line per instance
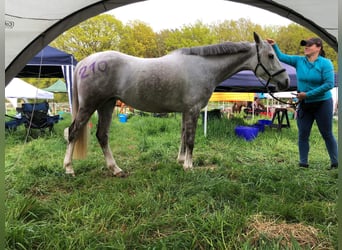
(105, 118)
(181, 153)
(76, 130)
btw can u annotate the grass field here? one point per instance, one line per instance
(241, 195)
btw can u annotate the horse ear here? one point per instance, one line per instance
(256, 38)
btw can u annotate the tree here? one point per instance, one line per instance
(236, 31)
(289, 37)
(196, 34)
(139, 40)
(170, 40)
(161, 37)
(99, 33)
(188, 36)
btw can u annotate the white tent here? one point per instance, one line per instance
(285, 94)
(18, 88)
(292, 94)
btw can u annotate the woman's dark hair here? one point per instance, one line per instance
(322, 52)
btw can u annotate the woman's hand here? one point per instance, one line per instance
(271, 41)
(301, 96)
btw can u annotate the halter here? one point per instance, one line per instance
(270, 76)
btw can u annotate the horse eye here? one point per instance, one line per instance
(271, 56)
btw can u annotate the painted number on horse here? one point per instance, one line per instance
(88, 70)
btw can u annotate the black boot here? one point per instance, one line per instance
(303, 165)
(333, 166)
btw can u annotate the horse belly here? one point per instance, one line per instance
(158, 100)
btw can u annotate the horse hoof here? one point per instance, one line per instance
(70, 173)
(188, 169)
(181, 160)
(121, 174)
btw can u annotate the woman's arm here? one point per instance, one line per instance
(289, 59)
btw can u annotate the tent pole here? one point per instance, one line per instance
(205, 120)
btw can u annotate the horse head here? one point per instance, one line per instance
(268, 66)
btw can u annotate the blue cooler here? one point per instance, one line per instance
(248, 133)
(265, 122)
(123, 118)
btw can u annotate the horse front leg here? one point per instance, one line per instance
(190, 123)
(181, 153)
(105, 119)
(68, 158)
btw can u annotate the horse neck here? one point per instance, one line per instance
(232, 64)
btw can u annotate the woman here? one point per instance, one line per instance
(258, 106)
(315, 79)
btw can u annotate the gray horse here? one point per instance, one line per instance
(181, 81)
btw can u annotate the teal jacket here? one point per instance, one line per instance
(316, 78)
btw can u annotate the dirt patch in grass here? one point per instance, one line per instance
(208, 167)
(261, 229)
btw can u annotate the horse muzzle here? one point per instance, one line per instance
(283, 85)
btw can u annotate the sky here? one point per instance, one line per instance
(171, 14)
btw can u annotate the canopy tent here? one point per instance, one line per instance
(246, 81)
(51, 63)
(31, 25)
(18, 88)
(58, 87)
(231, 97)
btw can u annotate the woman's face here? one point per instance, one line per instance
(310, 50)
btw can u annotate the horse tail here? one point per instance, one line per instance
(81, 142)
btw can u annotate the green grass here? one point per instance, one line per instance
(159, 206)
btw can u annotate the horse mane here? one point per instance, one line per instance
(216, 49)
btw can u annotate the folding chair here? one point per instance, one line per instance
(36, 116)
(14, 123)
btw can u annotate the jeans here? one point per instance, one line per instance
(323, 114)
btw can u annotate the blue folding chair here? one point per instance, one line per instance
(14, 123)
(36, 116)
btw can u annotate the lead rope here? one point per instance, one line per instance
(34, 104)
